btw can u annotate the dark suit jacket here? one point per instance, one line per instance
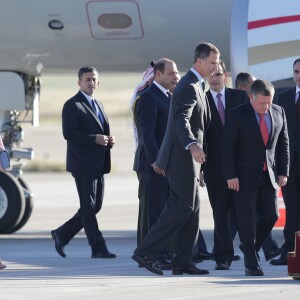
(151, 117)
(243, 149)
(80, 126)
(189, 116)
(213, 168)
(287, 101)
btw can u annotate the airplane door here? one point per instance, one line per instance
(114, 20)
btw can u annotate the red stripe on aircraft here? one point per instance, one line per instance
(272, 21)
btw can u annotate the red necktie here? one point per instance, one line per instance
(264, 133)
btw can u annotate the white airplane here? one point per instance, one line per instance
(42, 36)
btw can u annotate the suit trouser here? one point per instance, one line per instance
(142, 226)
(261, 199)
(268, 244)
(201, 245)
(157, 190)
(221, 199)
(90, 191)
(179, 219)
(291, 197)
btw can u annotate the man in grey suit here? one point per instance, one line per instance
(180, 158)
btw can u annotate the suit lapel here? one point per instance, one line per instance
(86, 104)
(289, 107)
(214, 111)
(198, 85)
(200, 92)
(272, 124)
(229, 101)
(100, 106)
(203, 98)
(253, 122)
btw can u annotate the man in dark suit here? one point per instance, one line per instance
(243, 81)
(221, 100)
(255, 153)
(86, 129)
(290, 101)
(151, 117)
(142, 223)
(180, 158)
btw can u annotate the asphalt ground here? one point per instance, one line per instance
(35, 271)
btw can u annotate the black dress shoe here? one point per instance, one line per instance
(222, 266)
(281, 261)
(236, 257)
(163, 264)
(203, 256)
(104, 255)
(273, 253)
(255, 271)
(147, 263)
(59, 246)
(191, 270)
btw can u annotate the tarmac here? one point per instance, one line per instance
(35, 271)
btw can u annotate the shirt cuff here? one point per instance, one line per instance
(188, 146)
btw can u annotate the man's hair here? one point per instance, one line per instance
(223, 66)
(86, 69)
(203, 50)
(160, 65)
(262, 87)
(297, 60)
(242, 79)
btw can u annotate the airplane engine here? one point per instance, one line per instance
(18, 104)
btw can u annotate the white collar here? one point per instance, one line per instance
(165, 91)
(200, 78)
(88, 97)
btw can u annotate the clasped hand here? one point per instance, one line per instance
(105, 140)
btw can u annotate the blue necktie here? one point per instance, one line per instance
(98, 112)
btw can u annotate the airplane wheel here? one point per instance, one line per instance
(12, 202)
(28, 206)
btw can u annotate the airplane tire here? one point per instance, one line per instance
(28, 206)
(12, 202)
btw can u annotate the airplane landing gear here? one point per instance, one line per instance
(28, 206)
(12, 202)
